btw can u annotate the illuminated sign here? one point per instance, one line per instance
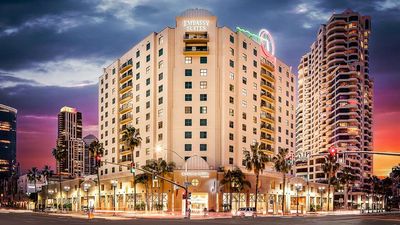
(196, 25)
(263, 38)
(195, 174)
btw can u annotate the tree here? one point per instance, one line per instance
(97, 150)
(60, 154)
(144, 179)
(47, 173)
(255, 160)
(387, 191)
(282, 165)
(346, 177)
(34, 176)
(330, 168)
(131, 138)
(226, 182)
(376, 185)
(239, 182)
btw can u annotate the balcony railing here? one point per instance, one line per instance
(196, 49)
(195, 37)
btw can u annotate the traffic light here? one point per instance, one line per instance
(133, 168)
(190, 195)
(332, 151)
(98, 160)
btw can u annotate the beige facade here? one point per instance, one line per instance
(336, 98)
(196, 91)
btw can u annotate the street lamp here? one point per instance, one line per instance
(66, 189)
(51, 192)
(86, 187)
(298, 186)
(159, 149)
(114, 184)
(321, 190)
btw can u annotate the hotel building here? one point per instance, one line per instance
(70, 138)
(200, 95)
(335, 95)
(8, 140)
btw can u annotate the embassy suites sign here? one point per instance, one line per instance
(196, 25)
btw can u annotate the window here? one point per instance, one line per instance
(254, 63)
(231, 136)
(188, 60)
(203, 122)
(147, 105)
(231, 39)
(244, 57)
(231, 112)
(188, 72)
(137, 53)
(244, 103)
(147, 58)
(160, 112)
(188, 110)
(160, 52)
(231, 63)
(160, 40)
(230, 148)
(244, 92)
(203, 109)
(203, 147)
(137, 65)
(231, 124)
(203, 97)
(203, 84)
(232, 51)
(160, 64)
(188, 134)
(230, 160)
(244, 45)
(244, 80)
(188, 85)
(231, 76)
(147, 93)
(148, 46)
(188, 147)
(188, 97)
(137, 76)
(160, 76)
(203, 60)
(203, 134)
(148, 70)
(147, 81)
(231, 87)
(231, 100)
(188, 122)
(203, 72)
(254, 52)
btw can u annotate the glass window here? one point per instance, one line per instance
(160, 88)
(160, 76)
(203, 72)
(188, 122)
(160, 52)
(147, 58)
(188, 97)
(244, 45)
(231, 63)
(203, 147)
(203, 122)
(188, 60)
(203, 109)
(188, 72)
(231, 75)
(137, 53)
(203, 84)
(203, 134)
(188, 85)
(203, 97)
(188, 147)
(148, 46)
(160, 64)
(188, 110)
(231, 39)
(203, 59)
(188, 134)
(160, 40)
(147, 81)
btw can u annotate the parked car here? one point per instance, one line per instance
(246, 212)
(50, 210)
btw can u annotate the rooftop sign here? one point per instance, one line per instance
(196, 25)
(263, 38)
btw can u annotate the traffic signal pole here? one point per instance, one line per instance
(185, 187)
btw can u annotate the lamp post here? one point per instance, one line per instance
(66, 189)
(114, 184)
(298, 186)
(321, 190)
(50, 193)
(159, 149)
(86, 187)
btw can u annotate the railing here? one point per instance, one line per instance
(196, 49)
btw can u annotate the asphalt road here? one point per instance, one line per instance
(42, 219)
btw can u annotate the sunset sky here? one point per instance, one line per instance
(52, 52)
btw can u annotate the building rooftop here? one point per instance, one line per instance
(7, 108)
(196, 13)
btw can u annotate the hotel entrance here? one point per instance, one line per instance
(198, 202)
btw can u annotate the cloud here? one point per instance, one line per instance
(313, 14)
(7, 80)
(387, 5)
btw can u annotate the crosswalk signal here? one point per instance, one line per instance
(332, 151)
(98, 160)
(133, 168)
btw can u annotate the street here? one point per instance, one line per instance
(33, 218)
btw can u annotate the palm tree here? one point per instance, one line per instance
(376, 184)
(330, 168)
(227, 181)
(97, 150)
(46, 173)
(282, 165)
(34, 176)
(60, 154)
(255, 160)
(163, 168)
(131, 138)
(239, 182)
(144, 179)
(387, 191)
(346, 177)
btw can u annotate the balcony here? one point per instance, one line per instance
(125, 97)
(124, 67)
(267, 97)
(126, 118)
(267, 64)
(125, 108)
(196, 50)
(124, 88)
(268, 76)
(195, 38)
(267, 118)
(125, 77)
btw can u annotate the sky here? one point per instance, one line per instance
(52, 53)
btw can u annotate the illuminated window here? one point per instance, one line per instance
(203, 72)
(188, 60)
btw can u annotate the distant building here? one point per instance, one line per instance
(26, 186)
(70, 138)
(8, 140)
(88, 157)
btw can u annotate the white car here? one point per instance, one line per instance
(246, 212)
(50, 210)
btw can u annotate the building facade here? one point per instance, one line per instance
(335, 93)
(196, 92)
(70, 138)
(8, 141)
